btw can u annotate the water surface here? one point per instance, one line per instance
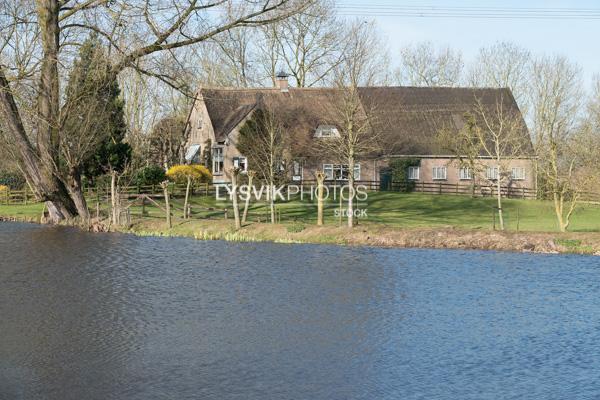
(107, 316)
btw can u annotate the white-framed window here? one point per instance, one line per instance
(241, 163)
(518, 174)
(218, 160)
(440, 173)
(414, 173)
(465, 174)
(340, 171)
(297, 170)
(326, 131)
(357, 172)
(328, 171)
(491, 173)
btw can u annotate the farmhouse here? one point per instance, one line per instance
(407, 121)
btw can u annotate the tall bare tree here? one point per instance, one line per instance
(306, 45)
(503, 65)
(465, 145)
(365, 60)
(425, 65)
(501, 133)
(262, 139)
(558, 137)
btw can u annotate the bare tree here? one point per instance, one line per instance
(353, 140)
(465, 145)
(424, 65)
(136, 30)
(262, 139)
(167, 141)
(365, 59)
(306, 45)
(558, 136)
(503, 65)
(502, 135)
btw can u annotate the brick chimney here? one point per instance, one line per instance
(282, 81)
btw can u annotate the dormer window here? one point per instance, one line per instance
(325, 131)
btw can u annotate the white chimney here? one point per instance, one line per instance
(282, 81)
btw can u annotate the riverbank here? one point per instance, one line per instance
(394, 220)
(378, 236)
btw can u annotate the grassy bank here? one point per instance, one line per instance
(393, 219)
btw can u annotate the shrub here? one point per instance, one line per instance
(13, 180)
(181, 173)
(295, 227)
(150, 175)
(3, 188)
(399, 167)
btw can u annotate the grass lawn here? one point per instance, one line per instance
(398, 210)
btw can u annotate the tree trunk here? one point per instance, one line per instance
(40, 167)
(499, 197)
(272, 200)
(558, 209)
(187, 198)
(234, 197)
(43, 178)
(350, 193)
(75, 189)
(320, 179)
(165, 187)
(115, 202)
(247, 204)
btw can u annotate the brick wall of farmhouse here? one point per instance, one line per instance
(453, 172)
(370, 171)
(202, 133)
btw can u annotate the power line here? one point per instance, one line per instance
(411, 11)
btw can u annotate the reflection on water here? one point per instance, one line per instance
(92, 316)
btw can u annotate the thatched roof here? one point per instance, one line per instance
(409, 118)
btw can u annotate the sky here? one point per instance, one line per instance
(578, 39)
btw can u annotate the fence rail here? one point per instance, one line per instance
(102, 193)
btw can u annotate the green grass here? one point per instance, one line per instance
(32, 211)
(401, 210)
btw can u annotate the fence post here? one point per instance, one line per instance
(7, 194)
(25, 195)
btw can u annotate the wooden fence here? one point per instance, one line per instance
(17, 197)
(441, 188)
(102, 193)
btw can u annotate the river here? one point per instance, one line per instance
(111, 316)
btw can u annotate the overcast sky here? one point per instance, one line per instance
(579, 39)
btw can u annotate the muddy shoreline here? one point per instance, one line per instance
(365, 235)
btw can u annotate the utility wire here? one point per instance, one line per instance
(412, 11)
